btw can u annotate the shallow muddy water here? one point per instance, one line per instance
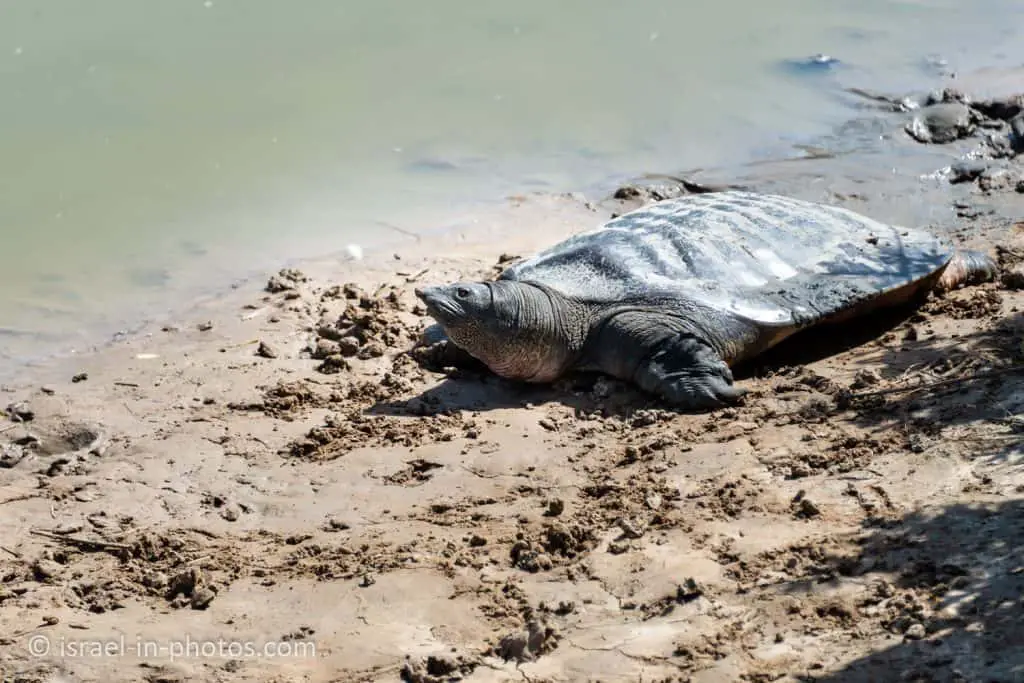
(150, 152)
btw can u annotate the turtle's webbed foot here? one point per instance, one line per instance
(435, 351)
(432, 334)
(689, 374)
(701, 393)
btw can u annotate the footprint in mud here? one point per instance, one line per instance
(59, 438)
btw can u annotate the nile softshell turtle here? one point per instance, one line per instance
(672, 295)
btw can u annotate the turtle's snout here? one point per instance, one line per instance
(437, 301)
(426, 294)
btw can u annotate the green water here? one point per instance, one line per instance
(154, 150)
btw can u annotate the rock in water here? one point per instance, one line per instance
(942, 123)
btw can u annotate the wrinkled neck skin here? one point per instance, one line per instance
(534, 334)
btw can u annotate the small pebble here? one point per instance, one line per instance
(629, 528)
(556, 506)
(20, 412)
(348, 346)
(325, 348)
(202, 597)
(265, 350)
(335, 524)
(44, 570)
(808, 509)
(547, 424)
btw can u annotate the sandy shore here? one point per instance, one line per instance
(250, 482)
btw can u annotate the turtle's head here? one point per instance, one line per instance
(518, 330)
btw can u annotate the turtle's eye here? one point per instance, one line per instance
(462, 293)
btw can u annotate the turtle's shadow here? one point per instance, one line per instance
(964, 556)
(824, 341)
(477, 389)
(483, 391)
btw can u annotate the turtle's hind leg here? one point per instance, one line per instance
(967, 267)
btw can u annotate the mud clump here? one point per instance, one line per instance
(557, 542)
(104, 576)
(20, 412)
(1003, 108)
(361, 562)
(286, 280)
(415, 473)
(819, 397)
(536, 640)
(651, 189)
(847, 454)
(58, 436)
(266, 350)
(967, 170)
(948, 116)
(365, 329)
(981, 302)
(730, 499)
(367, 317)
(355, 343)
(942, 123)
(441, 668)
(286, 399)
(1010, 263)
(344, 432)
(1000, 180)
(191, 586)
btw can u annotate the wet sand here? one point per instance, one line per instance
(277, 469)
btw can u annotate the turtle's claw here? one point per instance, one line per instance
(435, 351)
(688, 373)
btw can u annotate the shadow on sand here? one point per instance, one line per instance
(929, 383)
(969, 387)
(967, 563)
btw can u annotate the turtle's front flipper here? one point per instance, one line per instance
(436, 351)
(663, 355)
(689, 374)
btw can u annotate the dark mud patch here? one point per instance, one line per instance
(344, 432)
(98, 575)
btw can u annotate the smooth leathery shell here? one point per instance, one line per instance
(732, 251)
